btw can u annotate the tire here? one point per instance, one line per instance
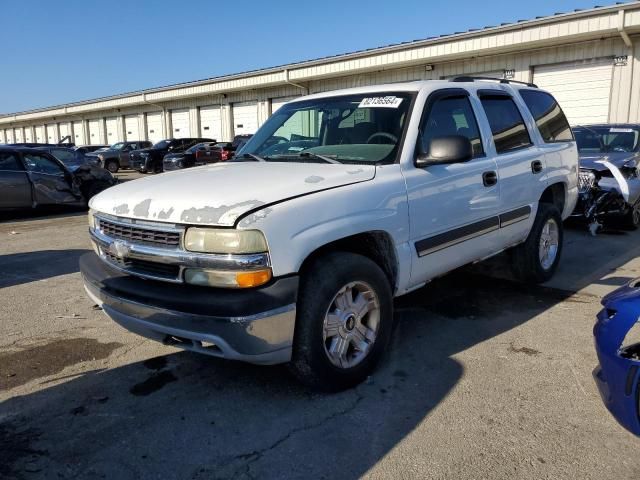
(112, 166)
(94, 188)
(318, 304)
(528, 263)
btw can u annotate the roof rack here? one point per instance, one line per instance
(501, 80)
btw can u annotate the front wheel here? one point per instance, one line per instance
(112, 166)
(536, 260)
(344, 321)
(632, 218)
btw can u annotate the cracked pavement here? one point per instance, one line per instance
(485, 378)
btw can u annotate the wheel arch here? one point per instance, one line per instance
(555, 194)
(377, 245)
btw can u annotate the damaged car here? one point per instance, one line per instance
(30, 178)
(609, 183)
(617, 341)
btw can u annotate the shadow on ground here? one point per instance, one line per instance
(19, 268)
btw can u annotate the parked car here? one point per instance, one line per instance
(150, 159)
(199, 154)
(295, 257)
(70, 157)
(117, 155)
(31, 177)
(617, 341)
(90, 148)
(609, 179)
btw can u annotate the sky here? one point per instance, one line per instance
(57, 51)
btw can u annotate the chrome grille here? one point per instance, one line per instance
(143, 267)
(586, 181)
(140, 234)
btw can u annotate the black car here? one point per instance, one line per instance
(199, 154)
(31, 177)
(150, 159)
(90, 148)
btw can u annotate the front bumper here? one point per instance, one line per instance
(253, 325)
(170, 166)
(618, 374)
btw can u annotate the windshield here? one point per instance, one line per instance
(365, 128)
(117, 146)
(607, 139)
(162, 144)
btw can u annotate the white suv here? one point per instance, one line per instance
(340, 202)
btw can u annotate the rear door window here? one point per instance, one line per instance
(550, 119)
(507, 126)
(9, 162)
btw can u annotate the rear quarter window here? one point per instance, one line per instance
(550, 120)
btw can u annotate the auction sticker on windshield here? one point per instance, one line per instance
(384, 102)
(621, 130)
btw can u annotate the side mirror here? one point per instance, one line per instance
(444, 150)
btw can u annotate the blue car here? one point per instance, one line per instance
(618, 375)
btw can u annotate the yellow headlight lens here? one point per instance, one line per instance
(227, 279)
(211, 240)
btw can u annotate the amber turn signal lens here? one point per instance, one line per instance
(253, 279)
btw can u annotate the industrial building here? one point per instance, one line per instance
(589, 59)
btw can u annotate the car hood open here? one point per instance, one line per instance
(220, 194)
(591, 161)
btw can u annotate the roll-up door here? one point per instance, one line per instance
(28, 137)
(210, 123)
(245, 118)
(3, 138)
(78, 134)
(581, 88)
(52, 133)
(276, 103)
(95, 132)
(65, 131)
(131, 128)
(112, 130)
(17, 135)
(9, 134)
(40, 137)
(154, 127)
(180, 123)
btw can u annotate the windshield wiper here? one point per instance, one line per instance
(251, 156)
(321, 157)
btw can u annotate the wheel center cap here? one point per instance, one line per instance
(350, 322)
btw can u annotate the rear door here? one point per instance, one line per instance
(453, 210)
(15, 189)
(52, 184)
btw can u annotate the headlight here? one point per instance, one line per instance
(211, 240)
(92, 220)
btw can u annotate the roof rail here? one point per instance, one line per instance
(501, 80)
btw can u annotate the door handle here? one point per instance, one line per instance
(536, 166)
(489, 179)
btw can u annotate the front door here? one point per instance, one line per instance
(453, 208)
(52, 185)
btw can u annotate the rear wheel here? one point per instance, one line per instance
(536, 260)
(344, 321)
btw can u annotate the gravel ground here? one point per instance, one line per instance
(486, 378)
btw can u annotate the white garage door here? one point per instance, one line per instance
(582, 89)
(95, 132)
(210, 123)
(65, 130)
(154, 127)
(3, 138)
(245, 118)
(28, 137)
(78, 134)
(9, 134)
(17, 135)
(40, 138)
(276, 103)
(52, 133)
(180, 123)
(132, 130)
(112, 130)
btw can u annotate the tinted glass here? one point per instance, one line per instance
(608, 139)
(64, 156)
(507, 126)
(41, 164)
(9, 161)
(452, 116)
(551, 122)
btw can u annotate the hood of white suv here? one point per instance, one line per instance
(219, 194)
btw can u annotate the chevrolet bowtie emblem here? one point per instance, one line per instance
(120, 249)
